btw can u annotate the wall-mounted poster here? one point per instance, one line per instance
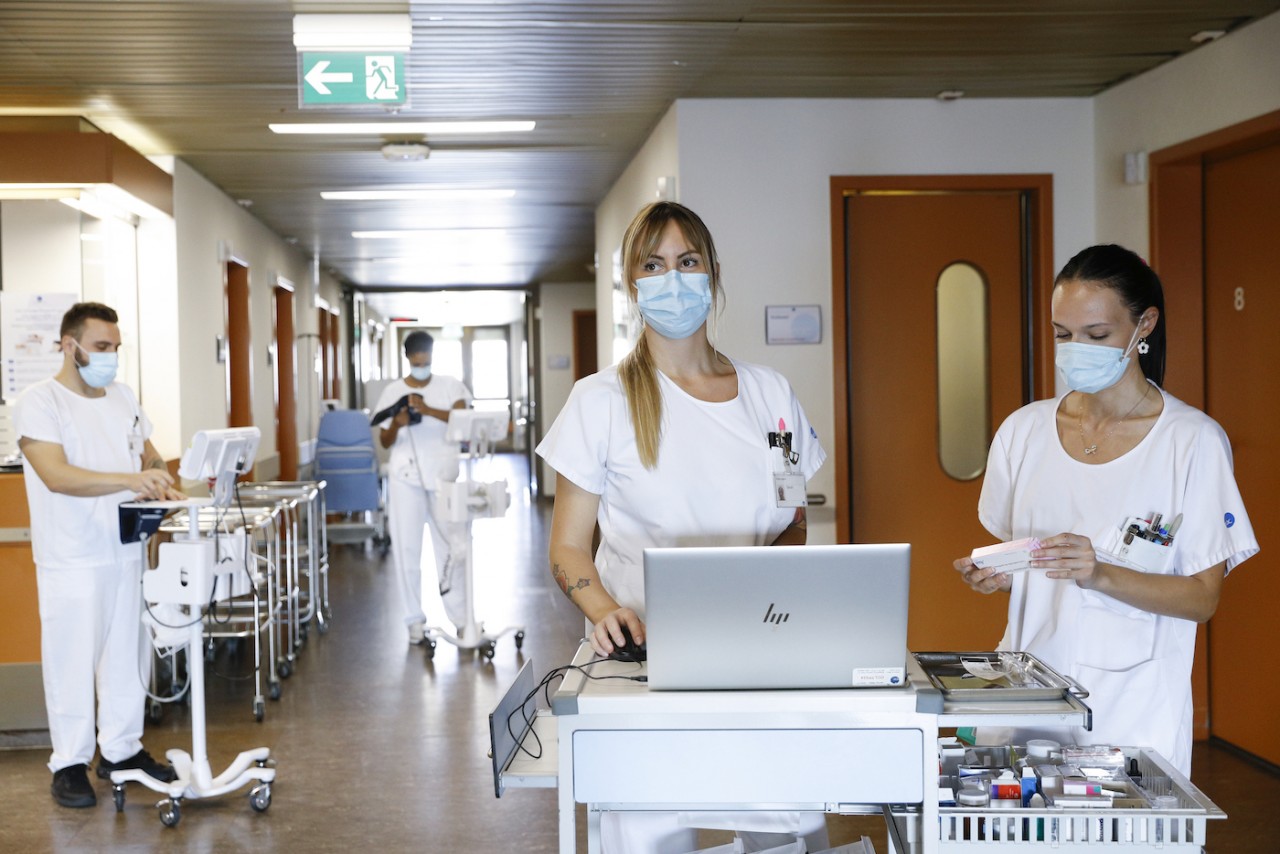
(29, 324)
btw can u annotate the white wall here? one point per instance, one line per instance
(1229, 81)
(210, 226)
(758, 173)
(40, 243)
(556, 305)
(636, 187)
(157, 313)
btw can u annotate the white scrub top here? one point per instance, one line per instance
(713, 484)
(1135, 664)
(419, 450)
(102, 434)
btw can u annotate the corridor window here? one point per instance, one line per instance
(964, 387)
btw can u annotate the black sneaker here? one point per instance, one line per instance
(141, 760)
(71, 787)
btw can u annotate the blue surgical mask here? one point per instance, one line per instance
(101, 369)
(1090, 368)
(421, 374)
(676, 304)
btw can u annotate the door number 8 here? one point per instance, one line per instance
(1239, 299)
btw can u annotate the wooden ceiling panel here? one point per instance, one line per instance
(201, 79)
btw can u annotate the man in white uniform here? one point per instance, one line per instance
(85, 442)
(420, 458)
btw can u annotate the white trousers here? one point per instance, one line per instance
(91, 647)
(410, 518)
(676, 833)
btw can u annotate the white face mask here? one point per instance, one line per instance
(675, 304)
(101, 369)
(1090, 368)
(421, 374)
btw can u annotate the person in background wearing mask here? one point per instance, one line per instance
(84, 440)
(420, 458)
(672, 448)
(1131, 494)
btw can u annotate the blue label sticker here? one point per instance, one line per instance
(1229, 519)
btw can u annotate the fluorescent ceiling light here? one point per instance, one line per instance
(352, 32)
(449, 233)
(394, 128)
(94, 199)
(395, 195)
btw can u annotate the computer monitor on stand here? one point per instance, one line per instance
(460, 503)
(184, 577)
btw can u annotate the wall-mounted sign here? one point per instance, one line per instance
(793, 324)
(29, 325)
(345, 78)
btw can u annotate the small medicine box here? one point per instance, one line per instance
(1014, 556)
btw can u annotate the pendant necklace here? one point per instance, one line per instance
(1089, 450)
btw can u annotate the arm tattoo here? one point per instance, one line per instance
(158, 463)
(562, 580)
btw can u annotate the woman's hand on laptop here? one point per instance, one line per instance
(607, 635)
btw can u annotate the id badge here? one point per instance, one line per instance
(789, 489)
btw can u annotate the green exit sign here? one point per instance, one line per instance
(329, 79)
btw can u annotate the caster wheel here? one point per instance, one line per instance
(170, 812)
(155, 712)
(488, 650)
(519, 640)
(284, 669)
(259, 710)
(323, 627)
(273, 690)
(260, 797)
(431, 649)
(117, 792)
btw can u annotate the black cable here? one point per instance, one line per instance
(545, 686)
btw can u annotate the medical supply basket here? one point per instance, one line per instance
(1181, 829)
(284, 583)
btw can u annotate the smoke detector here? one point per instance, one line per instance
(405, 152)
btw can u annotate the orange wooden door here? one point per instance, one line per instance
(286, 385)
(584, 343)
(239, 348)
(897, 244)
(1242, 303)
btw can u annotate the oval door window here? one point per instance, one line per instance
(963, 377)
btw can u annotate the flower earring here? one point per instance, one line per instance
(1143, 347)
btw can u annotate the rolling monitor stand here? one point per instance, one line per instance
(460, 503)
(184, 578)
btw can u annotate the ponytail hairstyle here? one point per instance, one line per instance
(1136, 284)
(636, 371)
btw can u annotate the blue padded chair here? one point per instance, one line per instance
(347, 461)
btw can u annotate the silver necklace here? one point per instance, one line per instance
(1089, 450)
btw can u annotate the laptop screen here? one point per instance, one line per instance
(767, 617)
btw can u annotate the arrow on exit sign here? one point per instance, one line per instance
(327, 79)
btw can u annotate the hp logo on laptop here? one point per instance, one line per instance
(776, 619)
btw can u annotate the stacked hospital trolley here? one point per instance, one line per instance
(248, 563)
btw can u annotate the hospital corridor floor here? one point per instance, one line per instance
(380, 747)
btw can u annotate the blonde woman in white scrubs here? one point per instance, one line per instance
(671, 448)
(1132, 496)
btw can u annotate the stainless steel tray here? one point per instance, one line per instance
(1027, 677)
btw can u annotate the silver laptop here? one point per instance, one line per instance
(776, 616)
